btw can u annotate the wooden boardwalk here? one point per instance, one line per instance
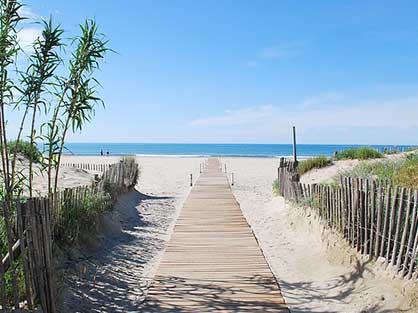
(213, 262)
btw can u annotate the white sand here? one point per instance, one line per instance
(329, 173)
(317, 271)
(69, 177)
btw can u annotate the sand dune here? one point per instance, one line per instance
(317, 270)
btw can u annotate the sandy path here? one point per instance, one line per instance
(115, 277)
(317, 271)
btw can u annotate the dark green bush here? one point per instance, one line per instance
(362, 153)
(30, 151)
(309, 164)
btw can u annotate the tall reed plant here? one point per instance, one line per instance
(57, 90)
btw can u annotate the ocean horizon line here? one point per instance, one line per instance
(240, 143)
(216, 150)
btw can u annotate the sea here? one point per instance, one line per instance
(205, 150)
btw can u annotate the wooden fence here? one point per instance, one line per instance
(35, 224)
(96, 167)
(376, 218)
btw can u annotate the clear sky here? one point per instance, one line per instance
(246, 71)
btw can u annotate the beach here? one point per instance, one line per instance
(316, 269)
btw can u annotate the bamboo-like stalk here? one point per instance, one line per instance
(44, 63)
(91, 48)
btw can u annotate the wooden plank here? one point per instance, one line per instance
(391, 224)
(379, 221)
(413, 242)
(213, 262)
(383, 247)
(405, 230)
(398, 226)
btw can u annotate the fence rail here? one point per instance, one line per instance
(97, 167)
(376, 218)
(35, 226)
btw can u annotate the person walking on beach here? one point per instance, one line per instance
(101, 152)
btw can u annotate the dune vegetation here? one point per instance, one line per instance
(316, 162)
(362, 153)
(400, 172)
(30, 151)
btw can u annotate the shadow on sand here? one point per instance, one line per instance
(115, 277)
(168, 294)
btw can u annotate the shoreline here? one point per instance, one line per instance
(304, 151)
(191, 156)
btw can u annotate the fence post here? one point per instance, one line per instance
(294, 145)
(405, 230)
(414, 253)
(398, 227)
(191, 180)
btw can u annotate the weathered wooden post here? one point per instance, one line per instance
(200, 167)
(232, 179)
(191, 180)
(294, 146)
(280, 176)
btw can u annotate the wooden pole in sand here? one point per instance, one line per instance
(191, 180)
(294, 145)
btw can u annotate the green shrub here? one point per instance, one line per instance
(80, 216)
(403, 172)
(310, 202)
(362, 153)
(30, 151)
(18, 265)
(384, 170)
(309, 164)
(407, 175)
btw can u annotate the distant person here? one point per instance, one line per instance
(107, 152)
(101, 152)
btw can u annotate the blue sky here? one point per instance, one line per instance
(246, 71)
